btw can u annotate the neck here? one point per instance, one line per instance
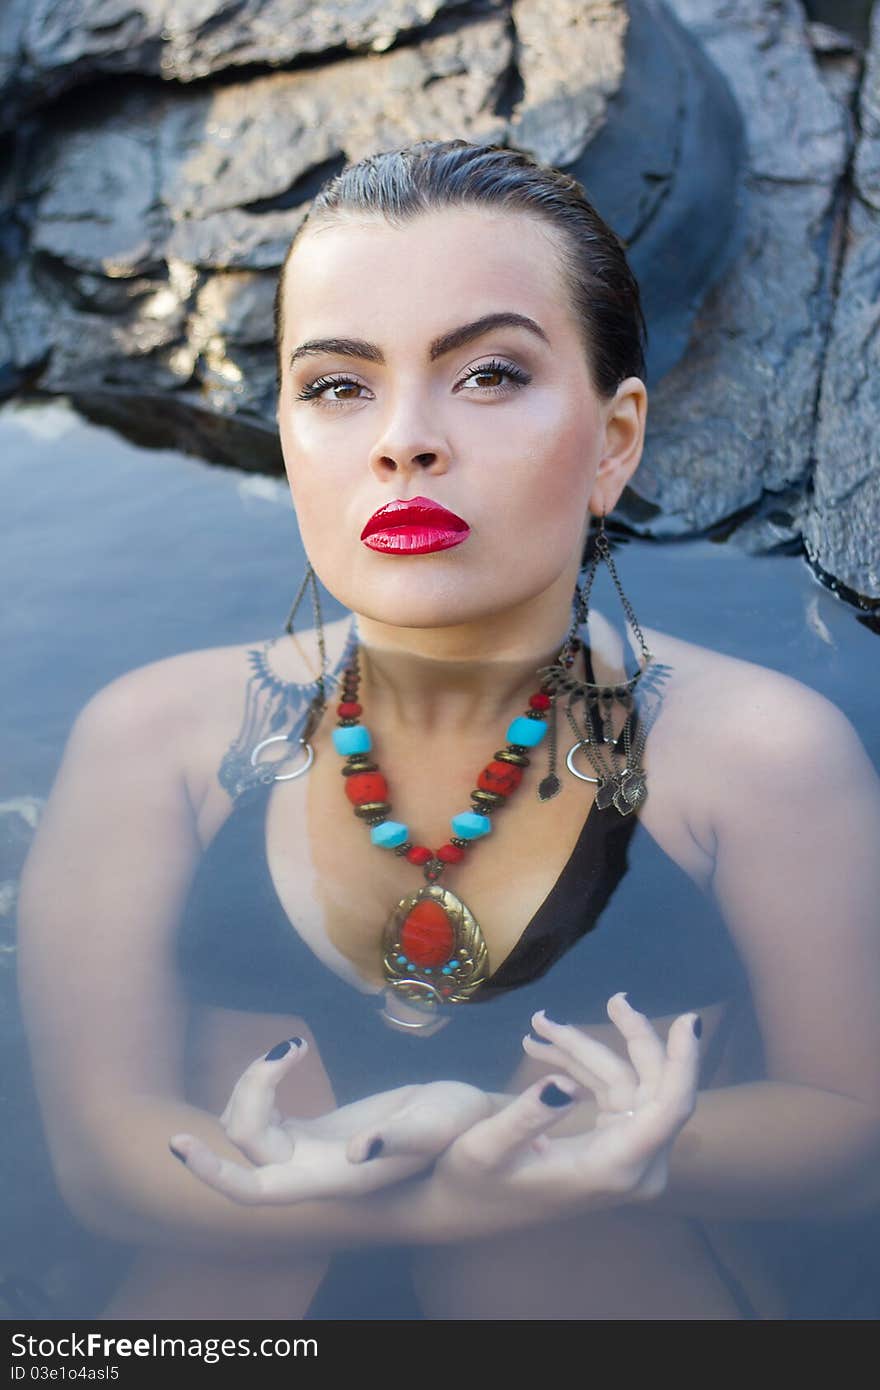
(464, 679)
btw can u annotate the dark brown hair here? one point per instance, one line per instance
(401, 184)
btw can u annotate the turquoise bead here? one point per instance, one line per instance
(469, 825)
(526, 732)
(352, 738)
(389, 834)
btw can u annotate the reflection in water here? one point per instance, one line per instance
(206, 959)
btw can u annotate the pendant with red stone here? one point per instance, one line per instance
(434, 952)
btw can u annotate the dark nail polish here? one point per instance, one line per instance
(177, 1154)
(279, 1050)
(376, 1147)
(295, 1042)
(554, 1095)
(698, 1026)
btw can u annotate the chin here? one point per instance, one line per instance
(425, 605)
(436, 591)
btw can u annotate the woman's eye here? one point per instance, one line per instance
(513, 377)
(315, 389)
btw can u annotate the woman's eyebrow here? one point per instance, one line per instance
(447, 342)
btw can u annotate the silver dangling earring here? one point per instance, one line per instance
(271, 702)
(623, 787)
(300, 734)
(310, 578)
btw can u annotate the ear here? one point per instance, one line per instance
(625, 418)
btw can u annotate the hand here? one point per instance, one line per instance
(338, 1154)
(506, 1172)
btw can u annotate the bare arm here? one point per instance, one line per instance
(796, 818)
(101, 895)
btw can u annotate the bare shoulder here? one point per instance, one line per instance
(744, 722)
(713, 686)
(188, 708)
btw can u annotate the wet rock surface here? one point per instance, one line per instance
(50, 45)
(842, 522)
(165, 155)
(732, 425)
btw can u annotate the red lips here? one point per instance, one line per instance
(414, 526)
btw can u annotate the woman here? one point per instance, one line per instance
(456, 329)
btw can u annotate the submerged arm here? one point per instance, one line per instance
(101, 896)
(794, 807)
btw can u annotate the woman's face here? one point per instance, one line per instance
(503, 429)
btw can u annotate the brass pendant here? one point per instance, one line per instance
(433, 954)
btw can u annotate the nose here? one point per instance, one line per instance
(408, 449)
(398, 462)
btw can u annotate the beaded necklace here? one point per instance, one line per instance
(433, 950)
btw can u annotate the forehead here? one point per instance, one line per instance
(365, 270)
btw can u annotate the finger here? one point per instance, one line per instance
(496, 1141)
(681, 1073)
(286, 1052)
(280, 1183)
(631, 1146)
(431, 1117)
(247, 1118)
(588, 1061)
(646, 1049)
(556, 1059)
(234, 1181)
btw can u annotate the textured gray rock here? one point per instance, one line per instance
(842, 521)
(668, 186)
(151, 231)
(734, 419)
(558, 117)
(47, 46)
(129, 215)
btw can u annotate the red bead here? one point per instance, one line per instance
(539, 701)
(348, 709)
(499, 777)
(450, 854)
(366, 786)
(419, 854)
(427, 937)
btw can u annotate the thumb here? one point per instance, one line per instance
(425, 1124)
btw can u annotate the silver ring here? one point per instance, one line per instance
(282, 738)
(572, 769)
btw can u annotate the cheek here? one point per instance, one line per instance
(309, 475)
(555, 476)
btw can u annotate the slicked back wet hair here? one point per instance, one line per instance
(430, 175)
